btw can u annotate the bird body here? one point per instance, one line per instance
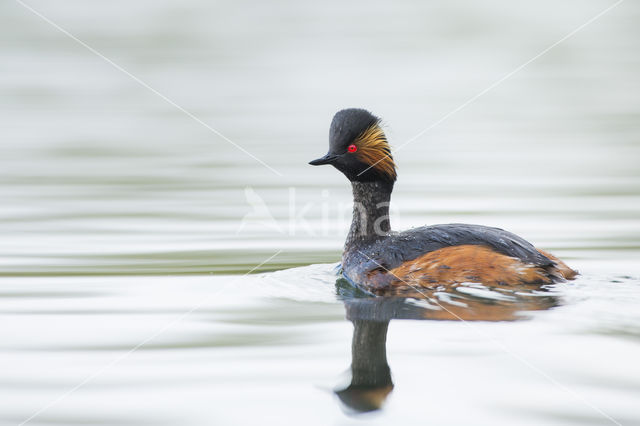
(386, 262)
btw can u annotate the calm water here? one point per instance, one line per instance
(128, 228)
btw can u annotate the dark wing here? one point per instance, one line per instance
(416, 242)
(398, 248)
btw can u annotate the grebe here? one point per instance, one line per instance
(385, 262)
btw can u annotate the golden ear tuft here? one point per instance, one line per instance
(374, 150)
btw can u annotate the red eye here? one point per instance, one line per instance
(352, 148)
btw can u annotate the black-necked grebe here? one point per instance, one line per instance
(386, 262)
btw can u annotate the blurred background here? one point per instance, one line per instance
(101, 175)
(113, 188)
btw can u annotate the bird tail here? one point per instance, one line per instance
(560, 269)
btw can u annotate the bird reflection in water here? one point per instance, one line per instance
(371, 381)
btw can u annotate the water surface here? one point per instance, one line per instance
(128, 227)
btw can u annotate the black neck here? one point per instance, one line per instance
(370, 211)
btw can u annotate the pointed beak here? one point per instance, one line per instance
(327, 159)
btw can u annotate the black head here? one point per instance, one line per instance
(358, 147)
